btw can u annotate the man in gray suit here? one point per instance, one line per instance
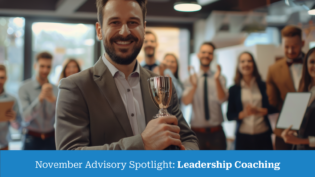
(109, 106)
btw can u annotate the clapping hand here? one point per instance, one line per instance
(218, 73)
(47, 93)
(193, 76)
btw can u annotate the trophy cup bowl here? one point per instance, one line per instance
(161, 93)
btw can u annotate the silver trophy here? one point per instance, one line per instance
(161, 93)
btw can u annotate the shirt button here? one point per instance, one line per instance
(128, 90)
(132, 115)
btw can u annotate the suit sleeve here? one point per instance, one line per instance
(72, 123)
(232, 113)
(272, 91)
(271, 109)
(187, 136)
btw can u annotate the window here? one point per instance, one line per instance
(11, 51)
(63, 41)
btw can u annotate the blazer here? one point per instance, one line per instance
(308, 126)
(279, 83)
(90, 114)
(235, 105)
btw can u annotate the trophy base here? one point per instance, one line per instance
(162, 113)
(172, 147)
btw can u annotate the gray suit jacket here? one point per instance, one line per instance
(90, 114)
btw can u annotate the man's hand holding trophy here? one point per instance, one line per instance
(163, 131)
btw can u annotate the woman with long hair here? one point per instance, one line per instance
(248, 105)
(169, 67)
(71, 67)
(306, 135)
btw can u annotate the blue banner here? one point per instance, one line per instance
(156, 163)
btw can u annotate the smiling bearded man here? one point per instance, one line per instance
(109, 106)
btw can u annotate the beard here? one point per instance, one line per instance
(150, 55)
(205, 65)
(110, 49)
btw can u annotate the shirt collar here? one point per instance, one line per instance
(36, 84)
(209, 73)
(113, 70)
(3, 94)
(243, 84)
(301, 56)
(143, 63)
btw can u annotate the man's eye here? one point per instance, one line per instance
(132, 23)
(114, 23)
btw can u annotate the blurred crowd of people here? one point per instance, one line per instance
(250, 99)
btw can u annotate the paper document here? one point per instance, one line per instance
(4, 107)
(293, 110)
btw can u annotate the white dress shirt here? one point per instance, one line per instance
(130, 92)
(38, 116)
(296, 73)
(250, 94)
(198, 117)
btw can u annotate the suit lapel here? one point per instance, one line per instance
(150, 108)
(239, 97)
(286, 75)
(106, 84)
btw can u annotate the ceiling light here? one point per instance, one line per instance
(187, 6)
(205, 2)
(312, 10)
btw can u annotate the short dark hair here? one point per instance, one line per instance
(208, 43)
(3, 68)
(100, 4)
(150, 32)
(44, 55)
(291, 31)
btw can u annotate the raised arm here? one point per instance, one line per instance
(190, 87)
(30, 107)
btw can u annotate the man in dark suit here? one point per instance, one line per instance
(109, 106)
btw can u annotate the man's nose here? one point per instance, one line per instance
(124, 31)
(290, 50)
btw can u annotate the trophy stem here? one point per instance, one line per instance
(163, 112)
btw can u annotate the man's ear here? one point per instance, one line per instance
(34, 66)
(98, 28)
(303, 43)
